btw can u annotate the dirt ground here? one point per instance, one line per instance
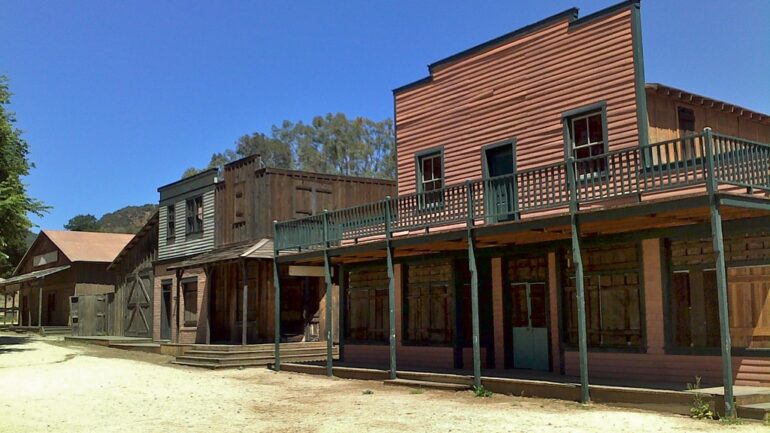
(52, 386)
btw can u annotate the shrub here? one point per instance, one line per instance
(480, 391)
(700, 408)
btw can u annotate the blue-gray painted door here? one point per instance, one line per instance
(530, 331)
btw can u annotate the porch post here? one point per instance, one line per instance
(16, 309)
(5, 307)
(244, 316)
(208, 272)
(40, 308)
(277, 299)
(474, 288)
(577, 260)
(329, 303)
(721, 274)
(178, 305)
(391, 290)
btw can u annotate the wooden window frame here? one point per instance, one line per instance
(433, 200)
(194, 215)
(568, 119)
(679, 129)
(170, 223)
(451, 294)
(187, 313)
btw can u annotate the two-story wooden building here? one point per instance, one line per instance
(186, 219)
(248, 199)
(557, 213)
(58, 266)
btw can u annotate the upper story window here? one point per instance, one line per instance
(45, 259)
(430, 177)
(194, 215)
(686, 120)
(170, 223)
(588, 141)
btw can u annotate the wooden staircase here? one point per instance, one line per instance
(252, 355)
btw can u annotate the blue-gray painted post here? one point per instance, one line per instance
(277, 296)
(721, 274)
(474, 289)
(391, 290)
(329, 303)
(577, 261)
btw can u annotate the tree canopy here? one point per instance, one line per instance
(332, 144)
(82, 223)
(15, 202)
(125, 220)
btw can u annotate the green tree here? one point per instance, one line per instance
(274, 152)
(82, 223)
(15, 202)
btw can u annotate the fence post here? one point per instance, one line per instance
(577, 261)
(474, 287)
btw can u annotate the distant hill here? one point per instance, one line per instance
(126, 220)
(31, 236)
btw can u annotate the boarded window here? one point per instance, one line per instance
(693, 296)
(427, 303)
(686, 121)
(194, 215)
(190, 294)
(239, 203)
(612, 298)
(45, 259)
(367, 305)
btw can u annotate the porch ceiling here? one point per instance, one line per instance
(654, 217)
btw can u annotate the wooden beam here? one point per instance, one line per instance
(244, 309)
(207, 270)
(391, 291)
(40, 308)
(474, 289)
(277, 296)
(328, 303)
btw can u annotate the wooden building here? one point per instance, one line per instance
(557, 213)
(239, 271)
(60, 265)
(186, 218)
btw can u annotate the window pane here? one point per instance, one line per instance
(437, 167)
(580, 132)
(595, 130)
(427, 169)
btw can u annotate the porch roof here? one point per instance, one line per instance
(244, 250)
(34, 275)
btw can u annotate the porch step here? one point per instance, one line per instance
(251, 347)
(760, 411)
(253, 361)
(444, 386)
(246, 352)
(454, 379)
(141, 347)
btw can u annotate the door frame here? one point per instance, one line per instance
(485, 173)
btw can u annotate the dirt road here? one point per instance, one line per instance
(55, 387)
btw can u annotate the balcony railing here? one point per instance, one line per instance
(675, 164)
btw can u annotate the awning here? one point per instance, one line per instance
(34, 275)
(245, 250)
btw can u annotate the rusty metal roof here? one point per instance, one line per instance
(263, 249)
(88, 246)
(34, 275)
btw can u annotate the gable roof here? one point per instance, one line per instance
(149, 226)
(88, 246)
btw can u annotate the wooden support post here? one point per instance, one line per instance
(178, 304)
(721, 275)
(277, 296)
(5, 307)
(391, 290)
(207, 270)
(329, 303)
(244, 309)
(577, 261)
(474, 288)
(40, 309)
(16, 315)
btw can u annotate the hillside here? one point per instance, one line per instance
(126, 220)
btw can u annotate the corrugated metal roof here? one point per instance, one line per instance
(263, 249)
(34, 275)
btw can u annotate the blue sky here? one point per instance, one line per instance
(118, 97)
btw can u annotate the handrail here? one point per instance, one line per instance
(650, 168)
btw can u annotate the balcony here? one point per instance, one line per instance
(700, 163)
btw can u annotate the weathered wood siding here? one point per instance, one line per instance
(519, 88)
(249, 198)
(184, 245)
(662, 114)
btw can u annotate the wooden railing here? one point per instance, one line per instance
(668, 165)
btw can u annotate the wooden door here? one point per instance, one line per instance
(138, 321)
(529, 326)
(499, 187)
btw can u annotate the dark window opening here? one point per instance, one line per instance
(431, 179)
(686, 121)
(194, 215)
(588, 143)
(170, 223)
(190, 295)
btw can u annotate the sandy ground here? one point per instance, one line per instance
(51, 386)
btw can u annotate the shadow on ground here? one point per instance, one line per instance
(6, 343)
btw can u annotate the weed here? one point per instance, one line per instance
(480, 391)
(699, 408)
(367, 392)
(417, 391)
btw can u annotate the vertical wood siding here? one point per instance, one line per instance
(520, 88)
